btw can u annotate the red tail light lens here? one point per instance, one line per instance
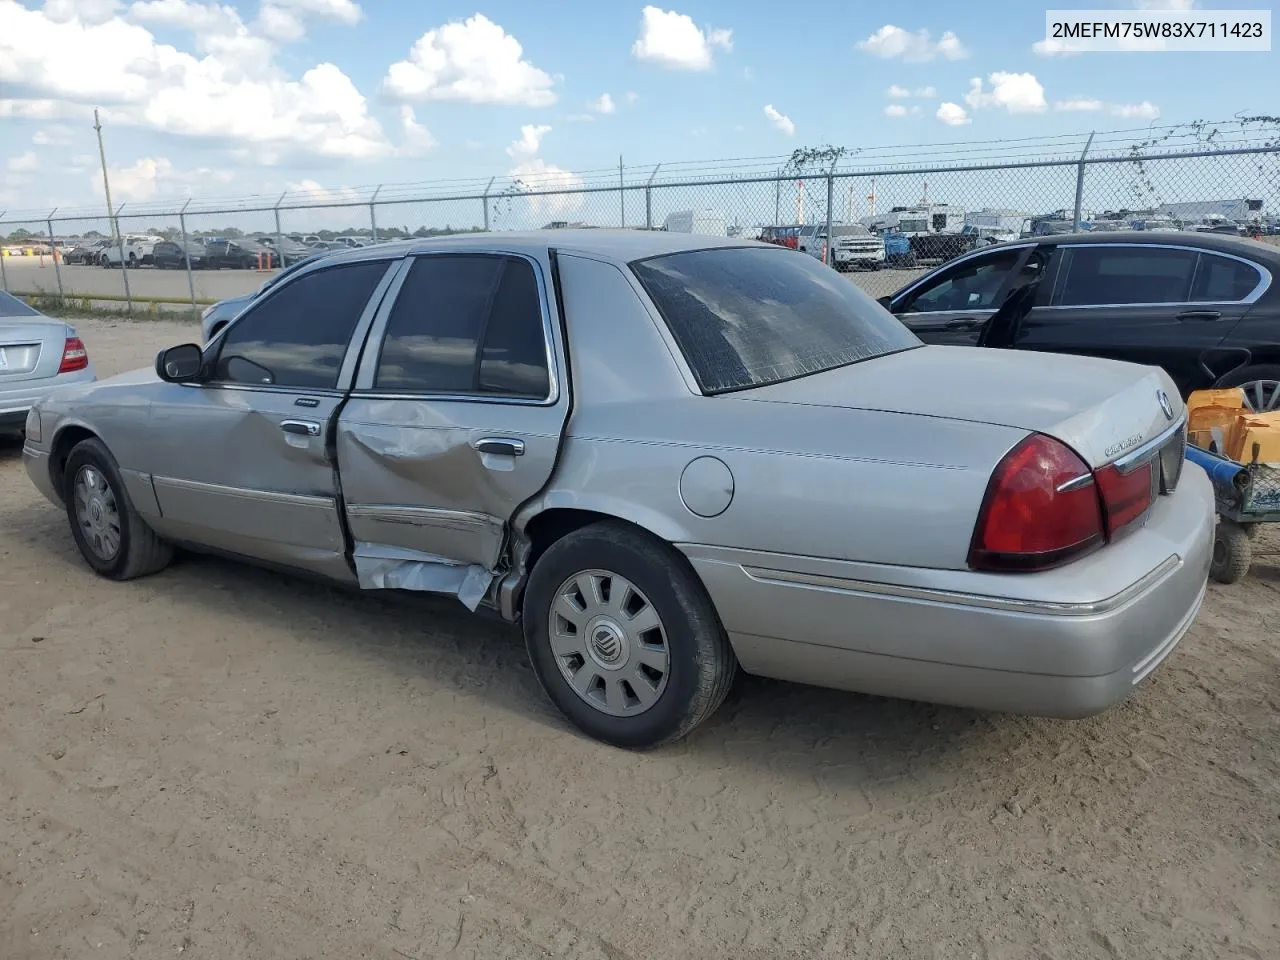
(1126, 497)
(1041, 509)
(74, 356)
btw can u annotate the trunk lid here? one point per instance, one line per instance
(1103, 409)
(26, 349)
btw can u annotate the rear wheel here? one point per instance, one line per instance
(1232, 553)
(113, 539)
(1260, 383)
(623, 637)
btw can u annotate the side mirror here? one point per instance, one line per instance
(180, 364)
(885, 300)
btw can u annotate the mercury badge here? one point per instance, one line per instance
(1165, 405)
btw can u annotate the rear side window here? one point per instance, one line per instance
(1223, 280)
(1119, 274)
(465, 324)
(749, 316)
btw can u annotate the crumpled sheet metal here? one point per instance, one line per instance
(382, 567)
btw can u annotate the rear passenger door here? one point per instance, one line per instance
(455, 420)
(1134, 302)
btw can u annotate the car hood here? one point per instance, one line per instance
(1101, 408)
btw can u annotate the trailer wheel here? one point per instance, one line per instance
(1232, 552)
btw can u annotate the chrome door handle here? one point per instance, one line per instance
(303, 428)
(502, 446)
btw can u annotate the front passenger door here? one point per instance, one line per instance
(952, 307)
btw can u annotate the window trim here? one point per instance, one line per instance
(365, 375)
(350, 357)
(1263, 285)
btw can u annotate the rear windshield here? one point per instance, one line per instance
(11, 306)
(750, 316)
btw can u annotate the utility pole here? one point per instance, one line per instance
(112, 214)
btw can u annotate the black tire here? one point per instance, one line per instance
(140, 552)
(1250, 374)
(701, 662)
(1232, 553)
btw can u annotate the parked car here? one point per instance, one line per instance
(788, 236)
(735, 458)
(168, 255)
(1203, 307)
(86, 252)
(328, 245)
(37, 355)
(218, 315)
(135, 250)
(855, 245)
(241, 255)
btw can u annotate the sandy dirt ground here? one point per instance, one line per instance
(220, 763)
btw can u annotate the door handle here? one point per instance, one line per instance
(302, 428)
(502, 446)
(963, 323)
(1207, 315)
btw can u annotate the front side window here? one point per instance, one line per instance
(297, 336)
(466, 324)
(749, 316)
(1120, 274)
(972, 285)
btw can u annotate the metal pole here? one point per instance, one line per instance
(191, 282)
(622, 197)
(830, 259)
(1075, 223)
(373, 217)
(124, 268)
(53, 248)
(279, 233)
(4, 275)
(777, 199)
(113, 218)
(648, 198)
(485, 201)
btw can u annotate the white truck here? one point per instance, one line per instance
(855, 245)
(138, 250)
(707, 223)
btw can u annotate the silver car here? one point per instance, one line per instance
(37, 355)
(667, 456)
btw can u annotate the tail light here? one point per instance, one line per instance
(74, 356)
(1041, 509)
(1126, 497)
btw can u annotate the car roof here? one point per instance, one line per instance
(619, 245)
(1240, 246)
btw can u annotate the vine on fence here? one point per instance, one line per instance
(1204, 134)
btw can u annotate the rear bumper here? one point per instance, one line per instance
(1064, 643)
(18, 398)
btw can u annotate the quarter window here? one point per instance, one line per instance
(1121, 274)
(297, 336)
(466, 324)
(1223, 280)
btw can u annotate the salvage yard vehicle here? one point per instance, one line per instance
(665, 456)
(37, 355)
(1202, 306)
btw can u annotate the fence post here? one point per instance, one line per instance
(777, 200)
(54, 251)
(648, 198)
(4, 274)
(1075, 222)
(124, 267)
(373, 217)
(485, 201)
(829, 254)
(622, 197)
(186, 258)
(279, 233)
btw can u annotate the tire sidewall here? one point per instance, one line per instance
(93, 453)
(591, 551)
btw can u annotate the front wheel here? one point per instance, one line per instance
(623, 637)
(113, 539)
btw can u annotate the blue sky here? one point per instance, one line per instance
(257, 97)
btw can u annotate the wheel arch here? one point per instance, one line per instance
(64, 441)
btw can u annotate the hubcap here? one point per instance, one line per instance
(97, 513)
(609, 643)
(1262, 396)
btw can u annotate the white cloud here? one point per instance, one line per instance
(234, 92)
(148, 177)
(24, 163)
(780, 121)
(533, 173)
(80, 163)
(1078, 104)
(580, 118)
(417, 138)
(1052, 47)
(897, 93)
(953, 115)
(889, 42)
(471, 61)
(673, 40)
(603, 104)
(632, 97)
(530, 140)
(88, 11)
(926, 92)
(1146, 110)
(281, 24)
(53, 136)
(898, 110)
(1015, 92)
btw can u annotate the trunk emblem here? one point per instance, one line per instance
(1165, 404)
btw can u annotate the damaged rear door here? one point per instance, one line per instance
(455, 419)
(241, 460)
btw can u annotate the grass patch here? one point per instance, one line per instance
(54, 305)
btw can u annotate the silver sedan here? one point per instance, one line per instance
(37, 355)
(669, 457)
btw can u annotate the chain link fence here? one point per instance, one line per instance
(892, 212)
